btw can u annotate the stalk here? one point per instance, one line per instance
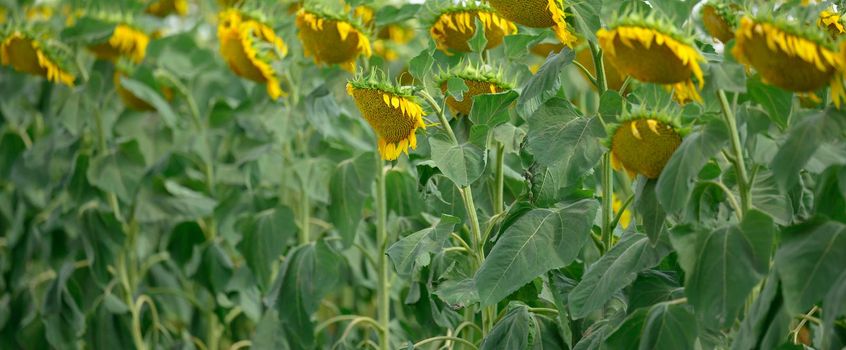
(498, 204)
(739, 163)
(383, 293)
(607, 172)
(305, 216)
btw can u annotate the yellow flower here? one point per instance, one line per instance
(787, 60)
(475, 88)
(831, 22)
(365, 14)
(643, 145)
(331, 41)
(452, 29)
(27, 55)
(248, 46)
(716, 24)
(626, 216)
(125, 41)
(537, 14)
(393, 117)
(162, 8)
(130, 100)
(652, 56)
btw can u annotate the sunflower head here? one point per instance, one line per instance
(125, 41)
(163, 8)
(832, 22)
(332, 39)
(456, 24)
(143, 75)
(249, 46)
(719, 20)
(479, 80)
(537, 14)
(792, 57)
(653, 51)
(28, 54)
(643, 143)
(392, 112)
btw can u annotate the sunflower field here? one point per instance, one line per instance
(432, 174)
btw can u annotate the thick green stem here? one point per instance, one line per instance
(305, 216)
(607, 171)
(601, 82)
(739, 163)
(498, 204)
(383, 294)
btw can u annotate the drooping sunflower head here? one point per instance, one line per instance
(163, 8)
(720, 19)
(642, 143)
(478, 79)
(790, 56)
(653, 51)
(832, 22)
(392, 111)
(537, 14)
(125, 41)
(33, 55)
(454, 25)
(249, 46)
(332, 39)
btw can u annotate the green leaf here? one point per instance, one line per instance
(456, 88)
(669, 326)
(766, 324)
(647, 205)
(517, 45)
(586, 14)
(265, 237)
(152, 97)
(404, 199)
(458, 294)
(541, 240)
(119, 172)
(88, 30)
(676, 180)
(268, 335)
(309, 273)
(479, 41)
(349, 187)
(610, 106)
(421, 65)
(512, 331)
(492, 109)
(613, 271)
(775, 101)
(413, 252)
(809, 260)
(835, 306)
(544, 84)
(461, 163)
(803, 140)
(186, 202)
(392, 14)
(558, 133)
(728, 76)
(628, 332)
(729, 262)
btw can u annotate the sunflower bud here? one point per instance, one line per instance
(652, 52)
(537, 14)
(392, 112)
(455, 26)
(801, 63)
(643, 144)
(249, 46)
(29, 55)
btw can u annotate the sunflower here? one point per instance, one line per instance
(626, 216)
(163, 8)
(30, 55)
(795, 60)
(124, 41)
(478, 81)
(249, 46)
(831, 22)
(719, 20)
(643, 143)
(133, 102)
(455, 25)
(653, 52)
(331, 40)
(391, 111)
(537, 14)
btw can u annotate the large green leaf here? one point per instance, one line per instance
(835, 307)
(413, 252)
(462, 163)
(802, 142)
(541, 240)
(676, 180)
(349, 187)
(668, 327)
(767, 321)
(647, 205)
(729, 262)
(149, 95)
(558, 133)
(614, 270)
(774, 100)
(809, 260)
(544, 84)
(265, 237)
(512, 331)
(119, 172)
(492, 109)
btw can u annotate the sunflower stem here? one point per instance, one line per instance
(602, 82)
(498, 204)
(305, 216)
(607, 172)
(739, 163)
(383, 296)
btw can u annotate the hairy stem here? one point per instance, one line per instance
(383, 294)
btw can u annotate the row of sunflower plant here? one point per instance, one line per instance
(501, 174)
